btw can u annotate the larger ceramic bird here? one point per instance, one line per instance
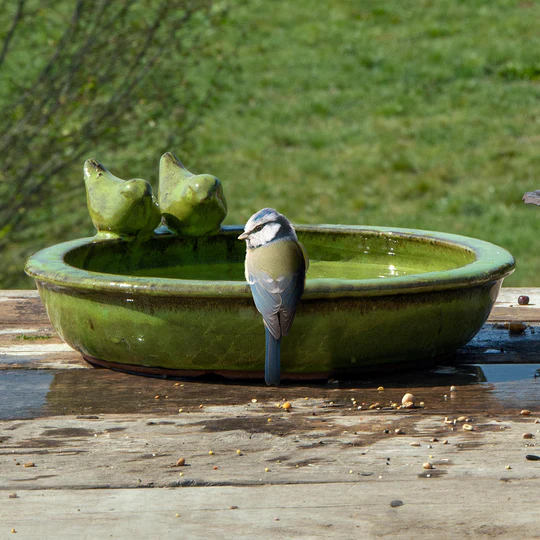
(276, 267)
(119, 207)
(192, 204)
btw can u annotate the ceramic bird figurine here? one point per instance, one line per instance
(276, 265)
(119, 207)
(192, 205)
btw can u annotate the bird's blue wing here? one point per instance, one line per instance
(267, 298)
(289, 300)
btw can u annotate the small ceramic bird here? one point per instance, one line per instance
(192, 204)
(119, 207)
(276, 265)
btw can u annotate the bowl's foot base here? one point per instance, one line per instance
(196, 373)
(233, 374)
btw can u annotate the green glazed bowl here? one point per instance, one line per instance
(375, 298)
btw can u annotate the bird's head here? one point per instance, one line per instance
(266, 226)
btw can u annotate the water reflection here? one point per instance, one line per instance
(496, 387)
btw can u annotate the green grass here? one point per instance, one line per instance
(420, 114)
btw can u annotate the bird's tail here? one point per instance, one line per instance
(272, 365)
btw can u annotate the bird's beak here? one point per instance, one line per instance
(243, 236)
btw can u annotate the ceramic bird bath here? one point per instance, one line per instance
(174, 301)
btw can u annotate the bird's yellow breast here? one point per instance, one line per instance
(280, 258)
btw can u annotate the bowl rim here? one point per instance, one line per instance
(492, 263)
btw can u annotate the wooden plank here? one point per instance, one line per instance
(117, 451)
(443, 507)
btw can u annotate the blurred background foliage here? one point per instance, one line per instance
(418, 114)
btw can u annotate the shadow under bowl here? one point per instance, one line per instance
(375, 298)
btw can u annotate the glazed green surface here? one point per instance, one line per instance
(101, 301)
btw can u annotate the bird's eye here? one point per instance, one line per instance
(258, 228)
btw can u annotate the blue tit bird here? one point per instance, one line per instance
(276, 265)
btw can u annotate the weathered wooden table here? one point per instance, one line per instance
(92, 453)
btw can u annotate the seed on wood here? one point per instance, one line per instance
(253, 400)
(157, 397)
(446, 441)
(525, 412)
(180, 410)
(408, 405)
(381, 389)
(446, 421)
(415, 444)
(286, 406)
(181, 462)
(29, 464)
(386, 431)
(210, 453)
(374, 405)
(427, 465)
(234, 507)
(434, 439)
(399, 431)
(176, 515)
(216, 467)
(462, 419)
(532, 457)
(468, 427)
(269, 420)
(267, 469)
(239, 452)
(528, 435)
(523, 300)
(407, 400)
(508, 467)
(517, 328)
(453, 389)
(13, 496)
(200, 406)
(396, 503)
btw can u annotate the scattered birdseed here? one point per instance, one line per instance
(253, 400)
(286, 406)
(176, 515)
(517, 328)
(445, 441)
(239, 452)
(200, 406)
(468, 427)
(453, 389)
(415, 444)
(532, 457)
(508, 467)
(462, 419)
(374, 405)
(267, 469)
(446, 421)
(395, 503)
(181, 462)
(427, 465)
(210, 453)
(181, 474)
(234, 507)
(13, 531)
(176, 384)
(29, 464)
(523, 300)
(430, 457)
(408, 400)
(180, 410)
(216, 467)
(269, 420)
(528, 436)
(525, 412)
(350, 472)
(434, 439)
(399, 431)
(157, 397)
(13, 496)
(381, 389)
